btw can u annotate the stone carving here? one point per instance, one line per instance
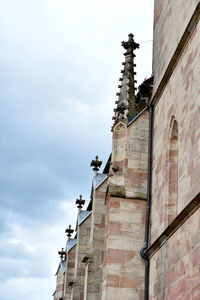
(62, 254)
(96, 164)
(69, 231)
(80, 202)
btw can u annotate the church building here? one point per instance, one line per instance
(139, 236)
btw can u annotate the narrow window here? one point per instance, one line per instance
(173, 172)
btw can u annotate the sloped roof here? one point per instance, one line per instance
(137, 116)
(98, 180)
(70, 244)
(63, 266)
(83, 215)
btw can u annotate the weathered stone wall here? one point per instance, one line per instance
(129, 156)
(123, 266)
(97, 235)
(125, 211)
(170, 21)
(136, 157)
(59, 284)
(175, 231)
(82, 249)
(175, 268)
(181, 100)
(70, 272)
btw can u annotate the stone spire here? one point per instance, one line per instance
(126, 106)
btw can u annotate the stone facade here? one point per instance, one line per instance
(60, 281)
(171, 20)
(123, 266)
(70, 271)
(175, 266)
(116, 252)
(82, 249)
(174, 249)
(94, 265)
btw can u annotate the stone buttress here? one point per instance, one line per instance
(60, 278)
(103, 259)
(70, 267)
(94, 259)
(82, 248)
(126, 199)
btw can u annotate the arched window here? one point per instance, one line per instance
(173, 171)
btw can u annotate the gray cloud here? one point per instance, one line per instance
(17, 261)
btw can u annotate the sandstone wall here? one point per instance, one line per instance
(94, 267)
(82, 249)
(59, 285)
(174, 268)
(70, 268)
(175, 241)
(129, 156)
(170, 21)
(123, 266)
(181, 100)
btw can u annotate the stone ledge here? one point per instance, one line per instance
(174, 226)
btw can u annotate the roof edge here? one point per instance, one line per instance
(100, 183)
(137, 116)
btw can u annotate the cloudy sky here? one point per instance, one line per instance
(60, 63)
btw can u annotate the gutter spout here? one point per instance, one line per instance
(148, 206)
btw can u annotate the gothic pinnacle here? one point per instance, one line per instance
(126, 106)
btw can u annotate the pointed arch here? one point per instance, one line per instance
(119, 130)
(119, 126)
(173, 171)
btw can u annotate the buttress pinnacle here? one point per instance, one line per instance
(126, 104)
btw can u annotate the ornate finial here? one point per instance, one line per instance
(62, 254)
(80, 202)
(130, 45)
(96, 164)
(126, 103)
(69, 231)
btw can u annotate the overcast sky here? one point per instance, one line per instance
(60, 65)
